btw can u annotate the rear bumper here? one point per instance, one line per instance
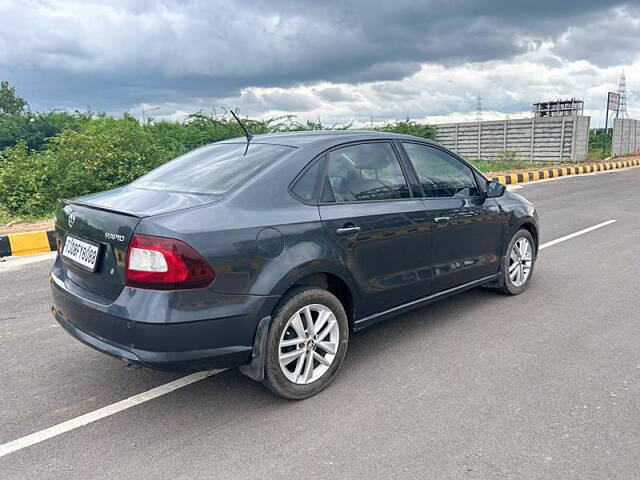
(177, 335)
(182, 361)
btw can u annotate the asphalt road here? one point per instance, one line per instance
(543, 385)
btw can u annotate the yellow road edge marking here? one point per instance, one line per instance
(28, 243)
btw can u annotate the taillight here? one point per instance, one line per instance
(165, 264)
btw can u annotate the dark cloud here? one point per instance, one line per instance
(110, 55)
(610, 39)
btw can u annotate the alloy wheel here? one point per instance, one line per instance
(520, 262)
(308, 344)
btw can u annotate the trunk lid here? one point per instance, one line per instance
(108, 220)
(143, 202)
(111, 231)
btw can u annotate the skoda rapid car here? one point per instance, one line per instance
(269, 254)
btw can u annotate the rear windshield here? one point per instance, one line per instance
(214, 169)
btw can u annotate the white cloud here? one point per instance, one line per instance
(334, 60)
(438, 94)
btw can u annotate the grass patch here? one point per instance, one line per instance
(596, 143)
(6, 217)
(504, 165)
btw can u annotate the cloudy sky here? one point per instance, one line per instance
(337, 60)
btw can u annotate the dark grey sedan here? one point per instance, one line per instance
(267, 255)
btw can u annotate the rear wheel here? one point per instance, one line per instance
(306, 343)
(518, 263)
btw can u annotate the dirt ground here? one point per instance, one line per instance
(20, 227)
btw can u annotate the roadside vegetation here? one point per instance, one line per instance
(596, 144)
(507, 161)
(504, 166)
(46, 156)
(49, 155)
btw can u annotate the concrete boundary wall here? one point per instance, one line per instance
(535, 139)
(626, 137)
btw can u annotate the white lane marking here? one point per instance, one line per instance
(103, 412)
(575, 234)
(514, 187)
(127, 403)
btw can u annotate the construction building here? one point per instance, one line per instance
(559, 108)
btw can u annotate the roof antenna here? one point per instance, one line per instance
(246, 132)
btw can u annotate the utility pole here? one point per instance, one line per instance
(606, 130)
(479, 119)
(613, 101)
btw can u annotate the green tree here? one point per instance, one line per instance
(10, 103)
(36, 128)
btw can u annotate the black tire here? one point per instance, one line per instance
(274, 379)
(508, 287)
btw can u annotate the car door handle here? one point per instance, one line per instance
(441, 219)
(347, 230)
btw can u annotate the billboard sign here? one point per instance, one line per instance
(613, 104)
(613, 101)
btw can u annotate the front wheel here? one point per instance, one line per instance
(518, 263)
(306, 343)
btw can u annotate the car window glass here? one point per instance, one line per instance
(305, 187)
(368, 171)
(213, 169)
(441, 174)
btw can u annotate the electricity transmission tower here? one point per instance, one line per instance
(479, 109)
(622, 91)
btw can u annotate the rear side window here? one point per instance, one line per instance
(306, 186)
(441, 174)
(214, 169)
(368, 171)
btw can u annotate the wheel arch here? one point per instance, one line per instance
(333, 283)
(530, 226)
(330, 279)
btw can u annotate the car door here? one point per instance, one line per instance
(467, 227)
(380, 230)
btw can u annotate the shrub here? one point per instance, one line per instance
(106, 154)
(59, 155)
(409, 127)
(34, 129)
(24, 181)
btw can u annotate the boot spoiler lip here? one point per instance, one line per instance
(65, 201)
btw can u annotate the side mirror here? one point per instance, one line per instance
(495, 189)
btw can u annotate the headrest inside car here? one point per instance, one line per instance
(372, 157)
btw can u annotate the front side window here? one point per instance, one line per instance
(214, 169)
(367, 171)
(441, 174)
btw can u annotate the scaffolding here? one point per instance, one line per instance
(559, 108)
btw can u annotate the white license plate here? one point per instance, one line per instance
(81, 252)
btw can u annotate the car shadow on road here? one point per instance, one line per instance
(366, 346)
(204, 416)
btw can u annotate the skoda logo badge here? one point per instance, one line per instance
(72, 218)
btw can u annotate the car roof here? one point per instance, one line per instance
(295, 139)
